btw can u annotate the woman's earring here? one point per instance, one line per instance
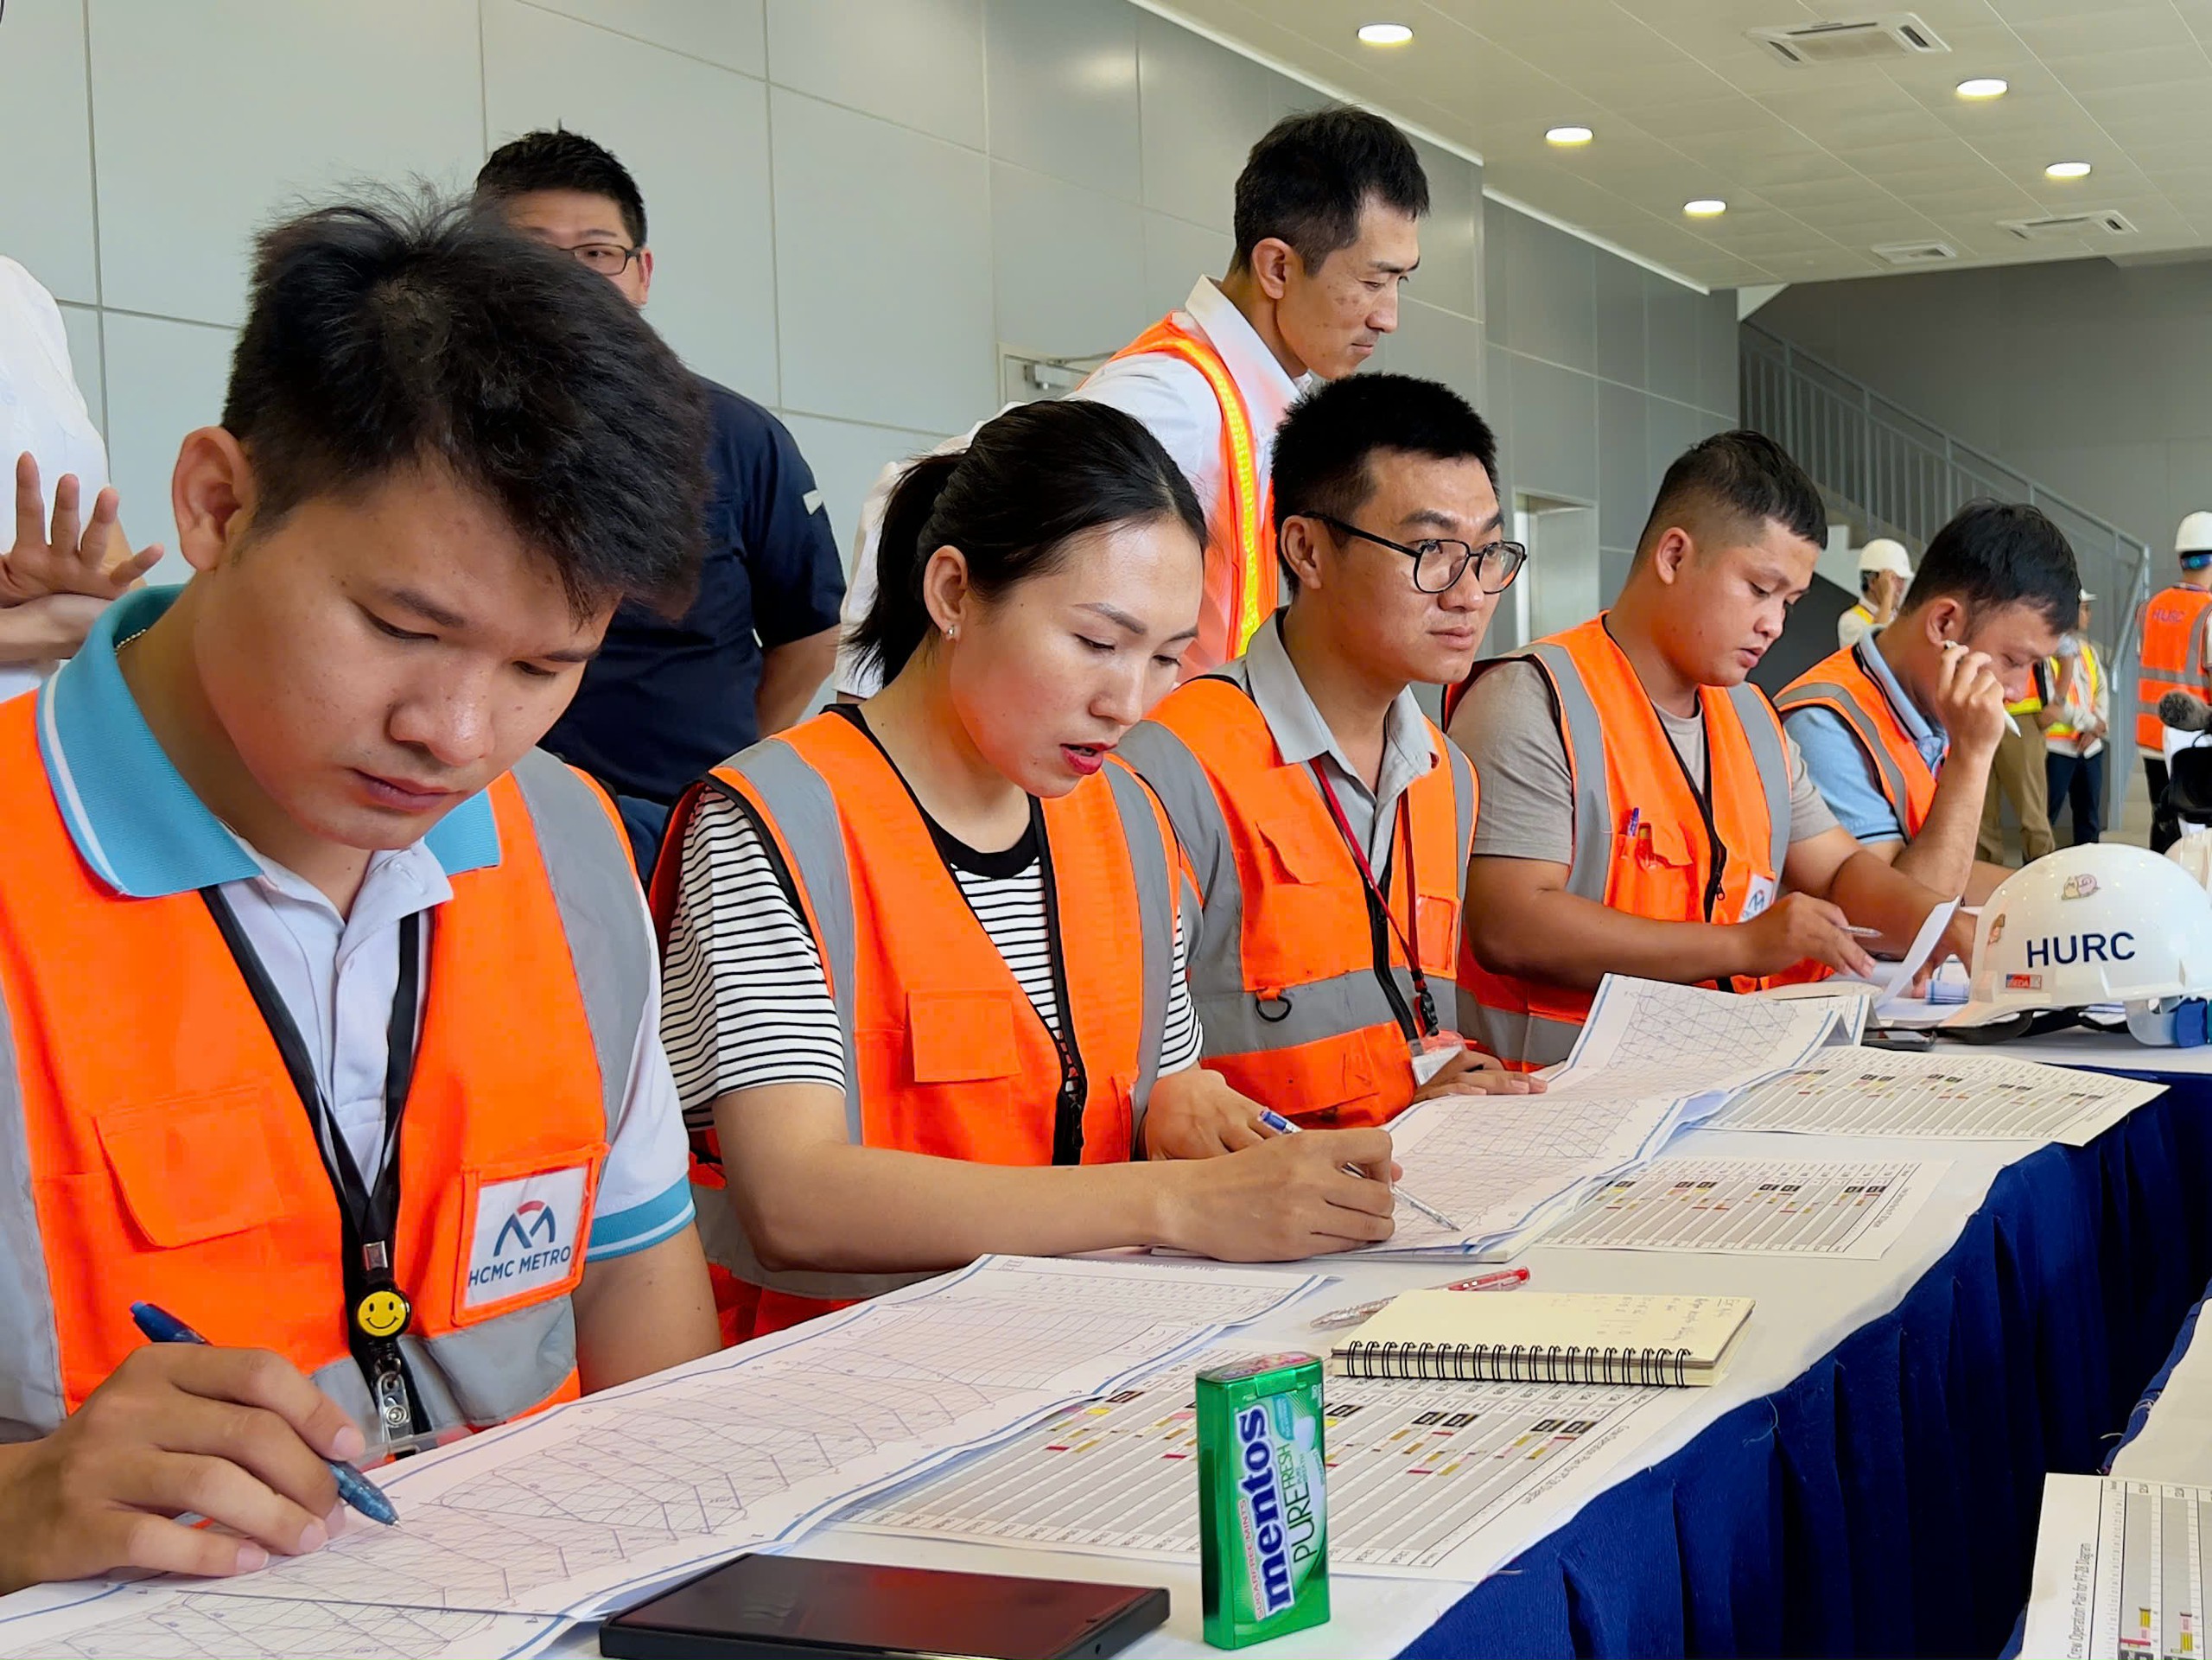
(952, 631)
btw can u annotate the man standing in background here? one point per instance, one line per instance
(1326, 222)
(2172, 660)
(667, 698)
(2016, 774)
(1884, 573)
(2074, 744)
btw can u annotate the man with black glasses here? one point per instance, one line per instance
(669, 697)
(1326, 820)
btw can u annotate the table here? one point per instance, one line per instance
(1866, 1477)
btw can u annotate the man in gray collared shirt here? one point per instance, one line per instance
(1325, 819)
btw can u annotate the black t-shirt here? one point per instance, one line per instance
(664, 701)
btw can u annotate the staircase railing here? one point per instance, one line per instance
(1905, 476)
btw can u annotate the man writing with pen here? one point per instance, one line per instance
(1642, 811)
(331, 1005)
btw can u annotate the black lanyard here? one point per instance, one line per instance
(1378, 904)
(1702, 793)
(377, 1311)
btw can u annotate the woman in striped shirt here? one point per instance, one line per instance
(924, 976)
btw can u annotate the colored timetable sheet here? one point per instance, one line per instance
(1805, 1207)
(1419, 1472)
(2122, 1570)
(1955, 1094)
(577, 1510)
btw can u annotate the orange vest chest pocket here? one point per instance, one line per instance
(947, 1083)
(1436, 919)
(199, 1168)
(1307, 896)
(1656, 875)
(525, 1224)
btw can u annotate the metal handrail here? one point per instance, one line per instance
(1902, 477)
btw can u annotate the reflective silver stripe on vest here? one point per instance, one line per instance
(1462, 800)
(30, 1346)
(1763, 728)
(1152, 867)
(1585, 739)
(1826, 694)
(799, 799)
(1516, 1035)
(478, 1374)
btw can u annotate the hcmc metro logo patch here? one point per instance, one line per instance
(524, 1235)
(531, 1220)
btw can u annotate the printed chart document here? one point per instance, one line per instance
(131, 1622)
(2122, 1569)
(1648, 1037)
(1808, 1207)
(1954, 1094)
(577, 1510)
(1653, 1058)
(1427, 1480)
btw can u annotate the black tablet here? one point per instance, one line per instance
(775, 1607)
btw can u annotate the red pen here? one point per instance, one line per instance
(1504, 1279)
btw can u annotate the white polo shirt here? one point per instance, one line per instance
(1172, 398)
(41, 411)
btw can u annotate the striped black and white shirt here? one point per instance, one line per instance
(746, 1002)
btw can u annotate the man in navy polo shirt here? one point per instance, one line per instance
(666, 700)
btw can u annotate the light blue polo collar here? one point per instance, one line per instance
(133, 817)
(1933, 742)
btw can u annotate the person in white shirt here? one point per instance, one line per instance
(61, 572)
(1327, 224)
(1884, 573)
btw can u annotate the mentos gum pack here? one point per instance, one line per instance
(1262, 1499)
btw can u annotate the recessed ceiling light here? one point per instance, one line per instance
(1705, 208)
(1984, 86)
(1568, 138)
(2067, 170)
(1385, 34)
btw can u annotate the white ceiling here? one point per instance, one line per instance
(1818, 164)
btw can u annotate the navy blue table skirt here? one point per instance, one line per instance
(1885, 1503)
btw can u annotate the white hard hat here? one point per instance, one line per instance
(1882, 554)
(2195, 535)
(2098, 923)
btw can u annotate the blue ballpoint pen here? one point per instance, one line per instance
(356, 1489)
(1282, 1126)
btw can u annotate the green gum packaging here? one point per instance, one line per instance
(1262, 1499)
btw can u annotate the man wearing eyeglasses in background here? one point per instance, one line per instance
(667, 698)
(1325, 820)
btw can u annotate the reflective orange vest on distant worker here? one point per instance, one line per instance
(1308, 1007)
(1643, 841)
(170, 1158)
(2170, 622)
(1243, 584)
(1844, 683)
(945, 1053)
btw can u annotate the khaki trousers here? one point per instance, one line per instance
(2017, 774)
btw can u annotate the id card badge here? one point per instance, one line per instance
(1432, 1055)
(1761, 896)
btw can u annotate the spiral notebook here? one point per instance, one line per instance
(1535, 1337)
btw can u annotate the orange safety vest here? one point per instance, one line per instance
(2170, 620)
(1844, 683)
(945, 1053)
(1642, 842)
(1289, 977)
(1242, 583)
(167, 1156)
